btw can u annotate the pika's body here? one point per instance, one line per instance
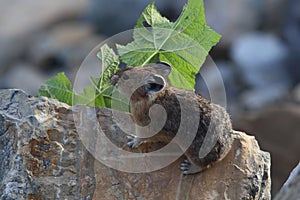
(147, 86)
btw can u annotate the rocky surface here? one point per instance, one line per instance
(243, 174)
(277, 130)
(290, 189)
(43, 157)
(41, 154)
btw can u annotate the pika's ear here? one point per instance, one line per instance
(154, 84)
(163, 68)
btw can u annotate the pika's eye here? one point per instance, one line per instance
(125, 77)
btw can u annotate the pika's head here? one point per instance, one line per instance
(141, 82)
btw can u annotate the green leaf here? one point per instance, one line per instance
(89, 97)
(110, 63)
(99, 93)
(184, 44)
(58, 87)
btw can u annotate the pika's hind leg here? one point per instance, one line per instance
(187, 167)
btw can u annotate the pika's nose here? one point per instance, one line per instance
(114, 80)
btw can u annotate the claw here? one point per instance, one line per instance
(184, 166)
(188, 168)
(133, 142)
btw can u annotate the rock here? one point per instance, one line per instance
(25, 77)
(44, 155)
(261, 58)
(243, 174)
(236, 177)
(290, 189)
(277, 130)
(41, 154)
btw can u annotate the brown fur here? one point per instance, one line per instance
(141, 102)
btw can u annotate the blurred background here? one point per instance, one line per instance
(258, 57)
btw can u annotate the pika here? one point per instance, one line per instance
(147, 86)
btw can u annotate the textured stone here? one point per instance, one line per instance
(277, 130)
(43, 156)
(243, 174)
(290, 189)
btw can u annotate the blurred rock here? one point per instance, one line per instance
(290, 189)
(114, 16)
(42, 156)
(259, 55)
(296, 93)
(64, 46)
(233, 18)
(291, 32)
(260, 98)
(25, 77)
(20, 20)
(10, 50)
(274, 14)
(261, 58)
(277, 130)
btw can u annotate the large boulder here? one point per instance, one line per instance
(44, 155)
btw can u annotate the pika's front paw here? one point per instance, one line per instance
(188, 168)
(133, 141)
